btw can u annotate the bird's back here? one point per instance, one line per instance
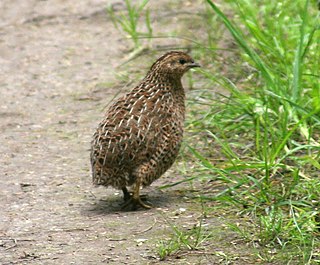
(141, 131)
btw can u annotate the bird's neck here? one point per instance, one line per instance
(166, 80)
(171, 85)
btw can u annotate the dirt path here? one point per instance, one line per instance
(52, 56)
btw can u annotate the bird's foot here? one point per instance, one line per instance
(128, 196)
(133, 204)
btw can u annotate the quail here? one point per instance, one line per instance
(140, 136)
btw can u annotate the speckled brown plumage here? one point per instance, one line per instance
(140, 136)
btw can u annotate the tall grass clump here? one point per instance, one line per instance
(267, 129)
(128, 21)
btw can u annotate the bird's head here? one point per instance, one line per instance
(174, 63)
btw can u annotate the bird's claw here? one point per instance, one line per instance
(134, 203)
(129, 195)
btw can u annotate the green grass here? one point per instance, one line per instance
(183, 239)
(268, 127)
(128, 21)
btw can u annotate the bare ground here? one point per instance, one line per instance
(54, 56)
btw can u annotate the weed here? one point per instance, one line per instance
(183, 239)
(267, 129)
(128, 21)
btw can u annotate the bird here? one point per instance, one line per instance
(140, 135)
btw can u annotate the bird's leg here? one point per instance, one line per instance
(136, 196)
(134, 200)
(126, 194)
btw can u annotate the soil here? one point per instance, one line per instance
(57, 59)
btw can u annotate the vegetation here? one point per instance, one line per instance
(129, 20)
(259, 142)
(182, 239)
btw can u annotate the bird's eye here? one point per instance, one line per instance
(182, 61)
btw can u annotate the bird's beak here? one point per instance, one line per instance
(193, 65)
